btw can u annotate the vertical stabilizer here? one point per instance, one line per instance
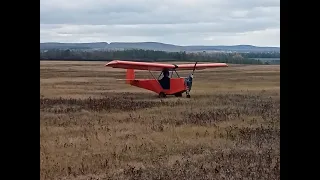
(130, 75)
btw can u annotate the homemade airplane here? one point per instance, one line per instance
(167, 85)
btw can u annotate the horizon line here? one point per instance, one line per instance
(157, 42)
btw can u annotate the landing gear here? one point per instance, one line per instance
(162, 95)
(188, 93)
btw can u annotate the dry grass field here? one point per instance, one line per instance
(95, 127)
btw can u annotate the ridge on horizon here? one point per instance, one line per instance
(155, 42)
(157, 46)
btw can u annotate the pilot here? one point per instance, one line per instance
(165, 80)
(165, 74)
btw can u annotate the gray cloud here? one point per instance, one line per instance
(169, 21)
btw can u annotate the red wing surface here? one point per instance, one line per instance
(159, 66)
(139, 65)
(200, 66)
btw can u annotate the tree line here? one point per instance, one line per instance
(154, 56)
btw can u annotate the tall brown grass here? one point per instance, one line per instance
(228, 129)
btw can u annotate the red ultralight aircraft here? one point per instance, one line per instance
(167, 85)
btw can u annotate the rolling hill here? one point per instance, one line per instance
(154, 46)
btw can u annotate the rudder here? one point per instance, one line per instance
(130, 75)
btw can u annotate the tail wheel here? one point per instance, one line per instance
(162, 95)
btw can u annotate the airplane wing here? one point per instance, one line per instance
(139, 65)
(200, 66)
(160, 66)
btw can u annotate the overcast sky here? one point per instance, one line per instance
(179, 22)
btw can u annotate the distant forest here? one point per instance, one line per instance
(158, 56)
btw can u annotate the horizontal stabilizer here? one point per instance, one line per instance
(126, 79)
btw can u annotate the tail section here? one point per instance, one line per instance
(130, 75)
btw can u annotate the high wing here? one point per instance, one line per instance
(200, 66)
(139, 65)
(160, 66)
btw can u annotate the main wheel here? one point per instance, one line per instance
(178, 94)
(162, 95)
